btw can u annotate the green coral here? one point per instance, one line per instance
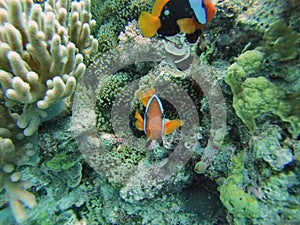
(248, 62)
(254, 96)
(257, 97)
(240, 204)
(60, 161)
(281, 42)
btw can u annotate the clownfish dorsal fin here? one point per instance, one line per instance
(144, 96)
(139, 123)
(158, 7)
(187, 25)
(172, 125)
(149, 24)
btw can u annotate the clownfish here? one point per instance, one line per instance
(153, 124)
(169, 17)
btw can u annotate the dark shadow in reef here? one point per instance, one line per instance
(201, 197)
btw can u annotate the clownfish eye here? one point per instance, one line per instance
(166, 12)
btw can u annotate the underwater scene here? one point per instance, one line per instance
(149, 112)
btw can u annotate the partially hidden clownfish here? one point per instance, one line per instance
(169, 17)
(153, 124)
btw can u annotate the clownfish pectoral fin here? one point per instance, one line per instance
(172, 125)
(149, 24)
(139, 123)
(187, 25)
(144, 96)
(158, 7)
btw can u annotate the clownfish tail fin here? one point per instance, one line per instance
(172, 125)
(149, 24)
(210, 10)
(139, 123)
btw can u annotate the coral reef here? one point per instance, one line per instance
(281, 193)
(236, 158)
(107, 94)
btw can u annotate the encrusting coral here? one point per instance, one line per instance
(234, 198)
(42, 48)
(253, 96)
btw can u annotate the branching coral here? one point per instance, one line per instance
(41, 54)
(17, 195)
(15, 150)
(42, 47)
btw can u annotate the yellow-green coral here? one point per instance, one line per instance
(248, 62)
(60, 162)
(254, 96)
(240, 204)
(258, 96)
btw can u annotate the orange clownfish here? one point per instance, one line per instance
(153, 124)
(168, 17)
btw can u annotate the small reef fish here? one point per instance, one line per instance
(169, 17)
(153, 124)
